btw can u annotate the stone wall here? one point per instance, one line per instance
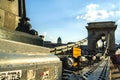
(8, 46)
(20, 37)
(9, 14)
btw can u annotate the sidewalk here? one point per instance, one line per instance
(115, 72)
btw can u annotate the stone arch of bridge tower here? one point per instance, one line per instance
(94, 39)
(96, 30)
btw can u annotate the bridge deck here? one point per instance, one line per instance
(115, 72)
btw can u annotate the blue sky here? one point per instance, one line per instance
(67, 18)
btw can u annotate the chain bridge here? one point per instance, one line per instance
(23, 56)
(97, 70)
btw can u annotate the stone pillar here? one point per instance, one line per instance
(112, 42)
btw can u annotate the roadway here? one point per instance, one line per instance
(115, 72)
(96, 71)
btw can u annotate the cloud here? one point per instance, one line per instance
(94, 13)
(111, 13)
(77, 17)
(118, 12)
(44, 33)
(92, 6)
(118, 23)
(113, 6)
(50, 38)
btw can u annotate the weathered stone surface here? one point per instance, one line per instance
(109, 24)
(96, 30)
(9, 14)
(8, 46)
(20, 37)
(9, 6)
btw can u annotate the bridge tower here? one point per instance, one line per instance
(96, 30)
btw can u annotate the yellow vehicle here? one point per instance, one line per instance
(76, 53)
(72, 61)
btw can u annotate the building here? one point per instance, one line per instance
(52, 45)
(59, 41)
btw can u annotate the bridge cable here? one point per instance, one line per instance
(58, 50)
(107, 46)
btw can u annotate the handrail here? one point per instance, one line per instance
(107, 47)
(98, 71)
(102, 72)
(68, 47)
(106, 70)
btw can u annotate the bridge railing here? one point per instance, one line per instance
(102, 72)
(97, 71)
(62, 49)
(107, 46)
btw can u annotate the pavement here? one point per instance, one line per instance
(115, 72)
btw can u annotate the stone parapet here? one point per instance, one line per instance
(8, 46)
(20, 37)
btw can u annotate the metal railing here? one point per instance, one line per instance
(98, 71)
(68, 47)
(107, 46)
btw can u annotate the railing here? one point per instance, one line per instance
(107, 46)
(98, 71)
(68, 47)
(102, 71)
(105, 73)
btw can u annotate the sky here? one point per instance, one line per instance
(67, 18)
